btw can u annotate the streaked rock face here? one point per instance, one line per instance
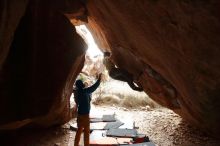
(170, 47)
(37, 76)
(177, 40)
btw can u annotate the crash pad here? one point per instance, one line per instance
(98, 138)
(103, 118)
(122, 133)
(114, 125)
(108, 118)
(141, 144)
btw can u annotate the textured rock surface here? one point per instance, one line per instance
(9, 20)
(171, 47)
(179, 40)
(37, 76)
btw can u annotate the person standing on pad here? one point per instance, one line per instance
(82, 96)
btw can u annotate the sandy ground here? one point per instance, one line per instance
(162, 126)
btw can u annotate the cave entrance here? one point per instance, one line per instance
(111, 92)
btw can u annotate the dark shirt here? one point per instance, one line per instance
(83, 98)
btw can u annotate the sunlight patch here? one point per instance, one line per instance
(93, 50)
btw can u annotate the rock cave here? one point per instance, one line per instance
(41, 55)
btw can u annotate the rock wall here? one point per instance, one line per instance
(171, 47)
(39, 70)
(9, 20)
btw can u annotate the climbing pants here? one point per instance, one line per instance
(83, 126)
(123, 75)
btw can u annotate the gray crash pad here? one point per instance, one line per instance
(114, 125)
(122, 133)
(98, 138)
(104, 118)
(108, 118)
(141, 144)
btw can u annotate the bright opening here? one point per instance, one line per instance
(93, 50)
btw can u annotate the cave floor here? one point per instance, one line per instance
(164, 128)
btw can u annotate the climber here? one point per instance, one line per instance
(119, 73)
(82, 97)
